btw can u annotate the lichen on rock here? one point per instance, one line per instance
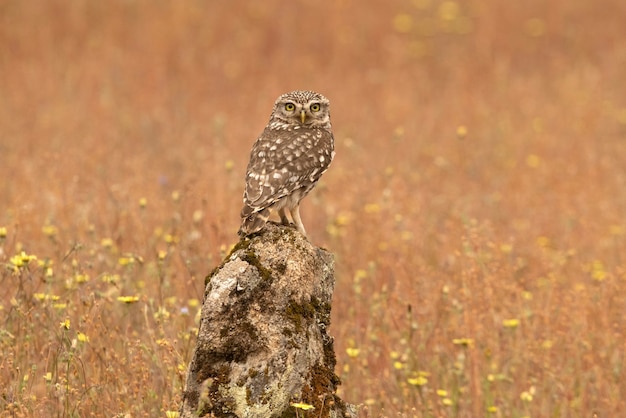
(263, 342)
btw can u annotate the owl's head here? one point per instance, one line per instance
(301, 108)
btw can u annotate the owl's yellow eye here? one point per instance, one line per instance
(290, 107)
(315, 107)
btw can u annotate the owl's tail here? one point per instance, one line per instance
(253, 222)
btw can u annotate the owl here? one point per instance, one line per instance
(287, 160)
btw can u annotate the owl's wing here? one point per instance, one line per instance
(282, 161)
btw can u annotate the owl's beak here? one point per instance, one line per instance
(302, 116)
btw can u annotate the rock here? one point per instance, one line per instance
(263, 343)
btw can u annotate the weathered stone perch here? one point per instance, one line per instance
(263, 342)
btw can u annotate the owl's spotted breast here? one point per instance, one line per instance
(279, 167)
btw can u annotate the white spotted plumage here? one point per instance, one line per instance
(286, 161)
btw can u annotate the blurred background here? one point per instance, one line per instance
(476, 206)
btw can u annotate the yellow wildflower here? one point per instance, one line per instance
(124, 261)
(506, 248)
(449, 10)
(352, 352)
(161, 313)
(128, 299)
(598, 271)
(170, 238)
(543, 242)
(197, 215)
(511, 323)
(303, 406)
(110, 278)
(533, 161)
(465, 342)
(45, 296)
(106, 242)
(81, 278)
(49, 230)
(21, 260)
(417, 381)
(372, 208)
(343, 219)
(528, 395)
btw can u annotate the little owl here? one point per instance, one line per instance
(287, 160)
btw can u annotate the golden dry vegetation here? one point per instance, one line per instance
(476, 206)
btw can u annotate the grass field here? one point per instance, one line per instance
(476, 206)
